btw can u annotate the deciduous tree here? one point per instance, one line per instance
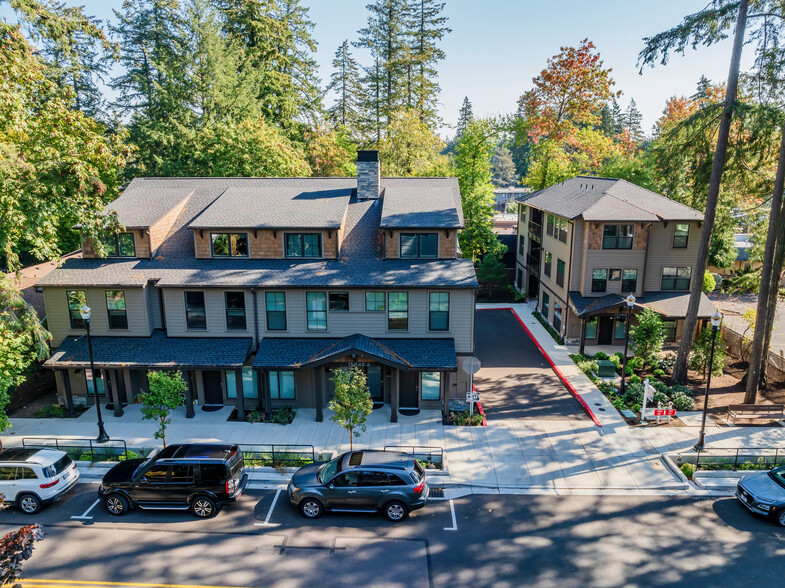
(352, 402)
(411, 148)
(166, 392)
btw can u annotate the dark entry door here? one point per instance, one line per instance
(213, 387)
(605, 335)
(374, 375)
(409, 389)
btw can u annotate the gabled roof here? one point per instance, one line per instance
(670, 305)
(608, 199)
(141, 205)
(421, 203)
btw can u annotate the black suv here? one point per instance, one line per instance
(201, 477)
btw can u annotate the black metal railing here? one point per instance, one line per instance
(87, 449)
(742, 458)
(268, 455)
(429, 457)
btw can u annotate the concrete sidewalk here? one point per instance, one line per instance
(507, 456)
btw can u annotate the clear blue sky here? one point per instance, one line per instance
(497, 46)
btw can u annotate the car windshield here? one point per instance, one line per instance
(329, 469)
(778, 476)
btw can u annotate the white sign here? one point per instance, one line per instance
(471, 365)
(472, 397)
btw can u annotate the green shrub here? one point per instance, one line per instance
(283, 415)
(608, 388)
(637, 363)
(256, 416)
(688, 469)
(576, 357)
(628, 372)
(666, 363)
(635, 379)
(682, 389)
(648, 336)
(709, 283)
(701, 350)
(600, 355)
(681, 401)
(130, 454)
(464, 419)
(548, 327)
(616, 361)
(53, 411)
(659, 373)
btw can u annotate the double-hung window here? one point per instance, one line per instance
(599, 280)
(316, 307)
(439, 311)
(676, 278)
(557, 310)
(669, 330)
(551, 226)
(398, 311)
(375, 301)
(229, 244)
(560, 231)
(629, 281)
(235, 311)
(521, 245)
(115, 308)
(275, 306)
(546, 300)
(681, 235)
(339, 301)
(195, 315)
(76, 300)
(431, 385)
(119, 245)
(282, 385)
(560, 273)
(415, 245)
(548, 264)
(617, 236)
(303, 244)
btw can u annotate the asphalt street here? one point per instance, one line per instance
(491, 540)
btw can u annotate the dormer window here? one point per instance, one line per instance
(120, 245)
(303, 244)
(229, 244)
(415, 245)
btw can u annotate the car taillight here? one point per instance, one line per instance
(73, 467)
(419, 487)
(230, 486)
(50, 484)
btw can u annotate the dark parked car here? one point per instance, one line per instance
(764, 494)
(361, 481)
(200, 477)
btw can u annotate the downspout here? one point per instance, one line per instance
(255, 319)
(645, 260)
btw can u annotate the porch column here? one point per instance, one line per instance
(260, 389)
(394, 395)
(319, 377)
(583, 336)
(189, 394)
(445, 397)
(129, 391)
(238, 382)
(111, 382)
(64, 377)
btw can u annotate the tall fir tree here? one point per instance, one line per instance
(427, 28)
(465, 117)
(503, 167)
(702, 89)
(618, 118)
(632, 121)
(345, 83)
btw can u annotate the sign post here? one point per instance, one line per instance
(648, 394)
(471, 365)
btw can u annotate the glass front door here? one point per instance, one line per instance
(374, 375)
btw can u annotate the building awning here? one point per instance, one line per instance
(155, 351)
(668, 304)
(405, 354)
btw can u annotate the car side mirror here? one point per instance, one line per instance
(331, 486)
(144, 479)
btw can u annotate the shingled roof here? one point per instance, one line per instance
(608, 199)
(422, 203)
(671, 305)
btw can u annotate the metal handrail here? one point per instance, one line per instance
(745, 454)
(91, 445)
(279, 455)
(430, 451)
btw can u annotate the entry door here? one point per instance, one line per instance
(374, 374)
(605, 335)
(213, 387)
(410, 389)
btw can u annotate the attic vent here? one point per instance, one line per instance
(592, 187)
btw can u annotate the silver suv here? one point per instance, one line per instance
(361, 481)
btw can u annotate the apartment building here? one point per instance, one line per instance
(258, 288)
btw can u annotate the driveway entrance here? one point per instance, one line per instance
(516, 381)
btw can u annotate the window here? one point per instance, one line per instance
(235, 311)
(599, 280)
(303, 244)
(282, 385)
(548, 263)
(398, 313)
(629, 282)
(431, 385)
(316, 307)
(560, 231)
(591, 328)
(620, 329)
(519, 280)
(7, 473)
(275, 305)
(560, 272)
(419, 245)
(396, 480)
(339, 301)
(614, 275)
(545, 302)
(120, 245)
(156, 474)
(76, 300)
(557, 309)
(373, 479)
(212, 472)
(26, 474)
(669, 330)
(195, 315)
(115, 307)
(676, 278)
(375, 301)
(549, 230)
(346, 479)
(94, 382)
(181, 474)
(521, 245)
(439, 311)
(522, 214)
(230, 244)
(681, 234)
(617, 236)
(248, 383)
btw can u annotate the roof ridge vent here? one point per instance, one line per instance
(592, 187)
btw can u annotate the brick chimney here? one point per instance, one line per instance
(368, 175)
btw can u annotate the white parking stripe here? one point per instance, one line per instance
(84, 514)
(454, 523)
(267, 522)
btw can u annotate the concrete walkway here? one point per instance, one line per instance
(508, 456)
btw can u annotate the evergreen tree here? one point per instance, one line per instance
(503, 167)
(371, 106)
(427, 26)
(632, 121)
(606, 124)
(465, 116)
(346, 84)
(618, 118)
(703, 88)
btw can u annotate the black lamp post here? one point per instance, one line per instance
(86, 313)
(630, 300)
(716, 320)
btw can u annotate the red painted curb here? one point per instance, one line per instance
(564, 380)
(479, 408)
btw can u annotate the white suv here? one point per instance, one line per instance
(31, 478)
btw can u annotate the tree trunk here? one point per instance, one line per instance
(767, 304)
(691, 320)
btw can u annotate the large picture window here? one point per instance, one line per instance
(629, 281)
(76, 300)
(398, 313)
(375, 301)
(591, 328)
(419, 245)
(235, 311)
(195, 315)
(303, 244)
(617, 236)
(120, 245)
(275, 305)
(115, 308)
(316, 307)
(439, 311)
(249, 384)
(431, 387)
(681, 235)
(229, 244)
(599, 280)
(282, 385)
(676, 278)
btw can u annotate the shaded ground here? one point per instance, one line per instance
(515, 380)
(36, 392)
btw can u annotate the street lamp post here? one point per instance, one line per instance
(716, 320)
(86, 313)
(630, 300)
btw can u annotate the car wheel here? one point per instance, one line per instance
(203, 507)
(29, 503)
(311, 508)
(395, 511)
(116, 505)
(781, 519)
